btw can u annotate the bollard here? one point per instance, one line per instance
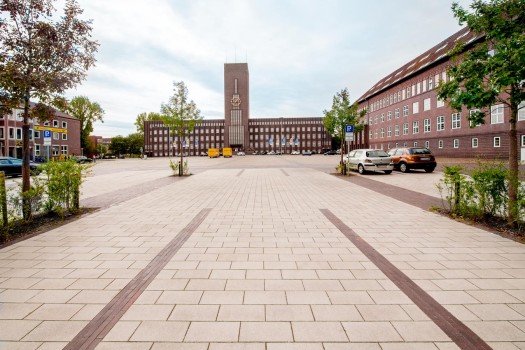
(3, 199)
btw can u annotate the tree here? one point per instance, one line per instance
(491, 71)
(87, 113)
(119, 145)
(135, 143)
(39, 59)
(342, 113)
(101, 150)
(180, 116)
(142, 117)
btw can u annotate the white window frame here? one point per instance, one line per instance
(521, 111)
(440, 123)
(415, 127)
(405, 128)
(64, 136)
(415, 108)
(440, 143)
(472, 111)
(396, 130)
(396, 113)
(63, 149)
(456, 143)
(522, 140)
(36, 150)
(426, 104)
(497, 141)
(427, 144)
(405, 111)
(497, 115)
(389, 131)
(474, 142)
(456, 120)
(427, 125)
(389, 115)
(55, 123)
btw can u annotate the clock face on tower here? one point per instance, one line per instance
(236, 101)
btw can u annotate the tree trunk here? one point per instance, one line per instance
(26, 180)
(181, 155)
(513, 210)
(342, 163)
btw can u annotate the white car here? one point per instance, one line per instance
(364, 160)
(241, 154)
(295, 152)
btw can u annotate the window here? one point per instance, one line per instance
(37, 150)
(522, 140)
(19, 133)
(64, 136)
(389, 131)
(440, 123)
(424, 85)
(64, 125)
(426, 104)
(395, 98)
(55, 123)
(456, 120)
(415, 107)
(471, 112)
(440, 144)
(63, 149)
(396, 130)
(371, 121)
(408, 91)
(1, 133)
(440, 103)
(382, 132)
(430, 84)
(497, 141)
(475, 142)
(382, 117)
(36, 134)
(396, 113)
(389, 115)
(496, 114)
(418, 90)
(405, 111)
(405, 129)
(376, 119)
(521, 111)
(427, 144)
(415, 127)
(415, 143)
(426, 125)
(456, 143)
(55, 150)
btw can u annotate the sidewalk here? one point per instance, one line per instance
(262, 259)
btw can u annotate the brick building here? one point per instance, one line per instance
(237, 130)
(403, 110)
(64, 138)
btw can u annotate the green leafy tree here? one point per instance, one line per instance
(180, 115)
(87, 113)
(101, 149)
(142, 117)
(119, 145)
(135, 143)
(40, 58)
(342, 113)
(491, 72)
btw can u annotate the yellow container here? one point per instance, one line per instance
(227, 152)
(213, 152)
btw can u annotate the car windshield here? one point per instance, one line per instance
(419, 151)
(377, 153)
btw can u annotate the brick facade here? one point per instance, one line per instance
(65, 136)
(406, 101)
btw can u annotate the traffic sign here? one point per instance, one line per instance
(349, 133)
(47, 137)
(349, 128)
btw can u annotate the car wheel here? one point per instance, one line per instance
(403, 167)
(360, 169)
(429, 169)
(388, 172)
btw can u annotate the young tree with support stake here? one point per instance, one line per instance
(40, 59)
(180, 115)
(490, 72)
(343, 113)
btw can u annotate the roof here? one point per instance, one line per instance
(429, 58)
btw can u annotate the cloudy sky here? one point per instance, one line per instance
(299, 52)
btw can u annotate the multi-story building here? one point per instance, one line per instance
(403, 110)
(238, 130)
(60, 136)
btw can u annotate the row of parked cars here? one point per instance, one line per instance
(403, 159)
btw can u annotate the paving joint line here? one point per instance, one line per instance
(456, 330)
(95, 331)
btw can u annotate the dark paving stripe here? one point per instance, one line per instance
(414, 198)
(240, 173)
(124, 194)
(285, 173)
(93, 333)
(463, 336)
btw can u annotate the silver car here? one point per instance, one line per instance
(364, 160)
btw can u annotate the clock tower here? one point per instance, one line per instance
(236, 105)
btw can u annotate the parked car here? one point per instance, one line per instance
(330, 153)
(407, 158)
(241, 153)
(364, 160)
(295, 152)
(82, 159)
(13, 166)
(307, 153)
(271, 153)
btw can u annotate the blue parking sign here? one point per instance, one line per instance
(47, 133)
(349, 128)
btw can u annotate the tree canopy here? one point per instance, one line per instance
(490, 71)
(40, 58)
(342, 113)
(87, 113)
(142, 117)
(180, 115)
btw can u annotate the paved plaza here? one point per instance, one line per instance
(260, 252)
